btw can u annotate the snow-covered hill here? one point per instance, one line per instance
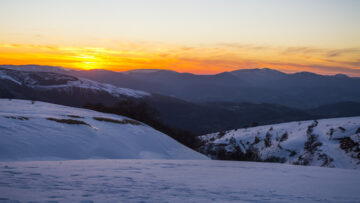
(44, 131)
(43, 80)
(38, 68)
(160, 181)
(328, 142)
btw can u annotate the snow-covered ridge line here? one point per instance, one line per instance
(52, 80)
(327, 142)
(97, 86)
(38, 68)
(44, 131)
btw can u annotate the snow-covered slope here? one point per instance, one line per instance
(44, 131)
(38, 68)
(160, 181)
(39, 80)
(327, 142)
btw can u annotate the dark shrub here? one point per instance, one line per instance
(124, 121)
(256, 140)
(302, 161)
(68, 121)
(221, 134)
(311, 127)
(326, 159)
(267, 140)
(331, 133)
(284, 137)
(74, 116)
(232, 141)
(275, 159)
(292, 153)
(358, 130)
(17, 117)
(342, 129)
(221, 153)
(311, 145)
(347, 143)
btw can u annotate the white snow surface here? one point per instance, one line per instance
(41, 139)
(38, 68)
(328, 133)
(23, 76)
(97, 86)
(174, 181)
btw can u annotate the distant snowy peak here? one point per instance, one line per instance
(33, 79)
(328, 143)
(51, 80)
(38, 68)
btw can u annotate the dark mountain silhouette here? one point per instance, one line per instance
(334, 110)
(300, 90)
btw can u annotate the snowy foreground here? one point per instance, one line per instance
(116, 169)
(174, 181)
(44, 131)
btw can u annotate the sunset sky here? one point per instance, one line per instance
(198, 36)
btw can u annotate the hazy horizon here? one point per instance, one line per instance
(144, 69)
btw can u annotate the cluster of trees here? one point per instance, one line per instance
(141, 111)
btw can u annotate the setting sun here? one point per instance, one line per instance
(88, 62)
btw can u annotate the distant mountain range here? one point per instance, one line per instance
(300, 90)
(68, 87)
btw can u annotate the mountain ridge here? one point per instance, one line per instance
(300, 90)
(35, 67)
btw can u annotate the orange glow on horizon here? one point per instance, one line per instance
(195, 59)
